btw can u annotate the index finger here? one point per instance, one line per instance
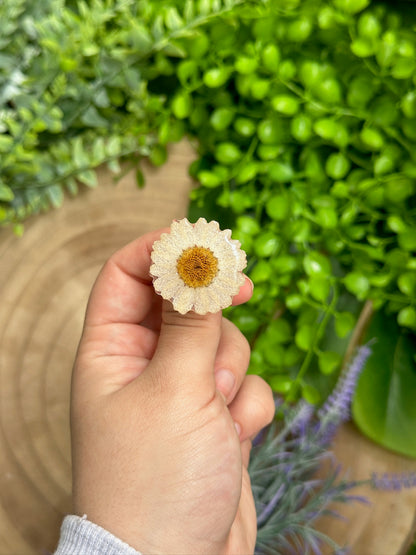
(123, 291)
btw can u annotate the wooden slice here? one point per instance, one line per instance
(386, 524)
(45, 280)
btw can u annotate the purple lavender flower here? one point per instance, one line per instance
(393, 481)
(269, 508)
(337, 408)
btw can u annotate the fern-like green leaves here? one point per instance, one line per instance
(74, 90)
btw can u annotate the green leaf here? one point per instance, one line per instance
(384, 405)
(358, 284)
(319, 288)
(407, 317)
(279, 331)
(278, 206)
(92, 118)
(6, 143)
(329, 361)
(6, 193)
(280, 384)
(216, 77)
(113, 147)
(311, 394)
(88, 177)
(78, 153)
(304, 337)
(56, 195)
(407, 283)
(344, 323)
(316, 264)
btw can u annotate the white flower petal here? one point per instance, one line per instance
(185, 300)
(218, 293)
(202, 303)
(168, 285)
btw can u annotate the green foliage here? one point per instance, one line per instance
(315, 170)
(74, 91)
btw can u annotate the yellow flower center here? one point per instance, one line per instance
(197, 266)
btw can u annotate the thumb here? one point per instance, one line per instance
(187, 347)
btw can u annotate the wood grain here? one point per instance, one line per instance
(386, 524)
(45, 280)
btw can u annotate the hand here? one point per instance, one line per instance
(162, 418)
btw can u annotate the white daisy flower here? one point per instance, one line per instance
(197, 266)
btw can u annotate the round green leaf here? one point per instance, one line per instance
(344, 323)
(266, 244)
(294, 302)
(362, 47)
(372, 138)
(277, 207)
(284, 264)
(304, 337)
(351, 6)
(182, 105)
(407, 239)
(301, 128)
(319, 288)
(358, 284)
(316, 264)
(261, 272)
(269, 131)
(271, 57)
(245, 65)
(281, 172)
(407, 283)
(209, 179)
(245, 127)
(248, 225)
(280, 384)
(329, 361)
(274, 354)
(407, 317)
(259, 88)
(311, 394)
(221, 118)
(227, 153)
(279, 331)
(337, 165)
(247, 173)
(327, 217)
(216, 77)
(285, 104)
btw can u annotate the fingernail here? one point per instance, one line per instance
(225, 381)
(237, 428)
(251, 283)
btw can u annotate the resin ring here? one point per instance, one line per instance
(197, 266)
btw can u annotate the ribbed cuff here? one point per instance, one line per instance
(79, 536)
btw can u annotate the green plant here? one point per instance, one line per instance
(74, 92)
(305, 115)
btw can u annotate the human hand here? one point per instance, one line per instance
(162, 416)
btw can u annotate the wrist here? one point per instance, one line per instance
(79, 535)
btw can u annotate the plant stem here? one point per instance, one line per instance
(309, 355)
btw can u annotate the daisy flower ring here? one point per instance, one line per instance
(197, 266)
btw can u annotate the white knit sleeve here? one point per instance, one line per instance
(79, 536)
